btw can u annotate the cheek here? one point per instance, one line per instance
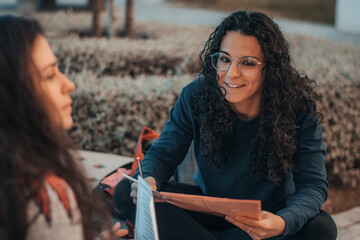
(51, 92)
(49, 96)
(221, 76)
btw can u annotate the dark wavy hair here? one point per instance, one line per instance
(30, 145)
(285, 94)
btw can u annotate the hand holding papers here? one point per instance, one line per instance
(211, 205)
(156, 194)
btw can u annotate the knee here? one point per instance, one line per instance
(328, 225)
(122, 194)
(321, 227)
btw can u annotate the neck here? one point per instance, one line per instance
(247, 117)
(246, 111)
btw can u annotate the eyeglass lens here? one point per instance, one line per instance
(222, 62)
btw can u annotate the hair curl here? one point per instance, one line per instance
(285, 94)
(30, 145)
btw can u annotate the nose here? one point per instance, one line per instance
(234, 70)
(68, 86)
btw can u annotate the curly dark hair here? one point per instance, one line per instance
(285, 94)
(30, 145)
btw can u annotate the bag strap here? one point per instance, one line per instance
(147, 134)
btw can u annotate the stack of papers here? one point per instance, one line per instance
(145, 225)
(214, 205)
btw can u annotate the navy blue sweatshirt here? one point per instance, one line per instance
(305, 190)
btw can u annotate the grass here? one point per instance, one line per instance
(322, 11)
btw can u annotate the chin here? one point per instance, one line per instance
(234, 99)
(67, 124)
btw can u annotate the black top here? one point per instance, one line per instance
(305, 189)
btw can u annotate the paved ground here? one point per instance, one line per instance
(156, 10)
(97, 165)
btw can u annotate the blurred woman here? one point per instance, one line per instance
(43, 192)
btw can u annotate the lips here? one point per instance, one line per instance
(67, 106)
(235, 85)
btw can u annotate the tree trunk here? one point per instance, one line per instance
(97, 7)
(25, 6)
(129, 24)
(47, 4)
(110, 18)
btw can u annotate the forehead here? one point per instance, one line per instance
(240, 45)
(41, 53)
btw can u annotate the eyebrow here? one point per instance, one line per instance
(241, 57)
(50, 65)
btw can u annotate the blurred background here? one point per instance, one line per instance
(130, 59)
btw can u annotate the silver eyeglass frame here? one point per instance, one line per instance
(238, 61)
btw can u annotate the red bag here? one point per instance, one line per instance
(108, 183)
(147, 137)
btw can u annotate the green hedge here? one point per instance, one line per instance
(124, 85)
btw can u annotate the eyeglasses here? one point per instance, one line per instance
(248, 65)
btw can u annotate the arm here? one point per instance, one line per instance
(174, 141)
(310, 188)
(309, 178)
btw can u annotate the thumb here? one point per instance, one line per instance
(152, 182)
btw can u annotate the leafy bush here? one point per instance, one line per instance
(124, 85)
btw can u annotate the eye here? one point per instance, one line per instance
(248, 62)
(51, 73)
(224, 59)
(49, 77)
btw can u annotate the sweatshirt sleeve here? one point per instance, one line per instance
(309, 177)
(174, 141)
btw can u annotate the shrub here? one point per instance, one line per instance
(110, 112)
(114, 98)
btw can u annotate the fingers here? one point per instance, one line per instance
(152, 182)
(116, 226)
(243, 226)
(247, 221)
(121, 233)
(117, 232)
(249, 229)
(133, 193)
(114, 231)
(134, 186)
(270, 225)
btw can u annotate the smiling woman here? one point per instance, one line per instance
(256, 134)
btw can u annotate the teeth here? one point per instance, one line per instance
(235, 86)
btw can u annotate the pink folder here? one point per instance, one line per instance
(214, 205)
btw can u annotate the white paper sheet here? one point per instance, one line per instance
(145, 224)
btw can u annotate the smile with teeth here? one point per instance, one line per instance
(235, 85)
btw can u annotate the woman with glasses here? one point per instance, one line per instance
(43, 192)
(256, 132)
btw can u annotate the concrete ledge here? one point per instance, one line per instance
(348, 223)
(97, 164)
